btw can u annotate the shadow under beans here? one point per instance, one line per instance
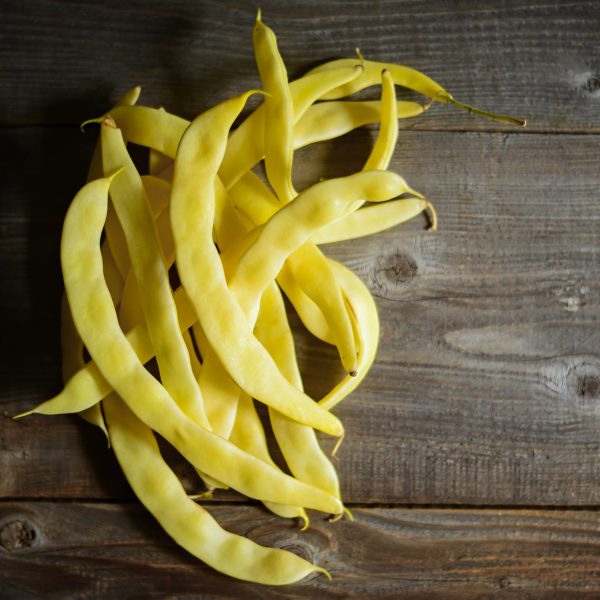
(43, 168)
(332, 158)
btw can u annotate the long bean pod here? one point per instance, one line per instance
(148, 266)
(201, 272)
(405, 77)
(191, 526)
(298, 443)
(96, 321)
(279, 112)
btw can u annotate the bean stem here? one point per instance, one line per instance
(482, 113)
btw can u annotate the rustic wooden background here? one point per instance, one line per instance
(471, 457)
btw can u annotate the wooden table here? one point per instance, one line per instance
(471, 457)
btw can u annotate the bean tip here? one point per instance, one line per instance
(483, 113)
(306, 522)
(337, 445)
(433, 215)
(359, 56)
(202, 496)
(260, 92)
(97, 120)
(23, 414)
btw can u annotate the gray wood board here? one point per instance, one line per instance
(487, 385)
(53, 550)
(64, 62)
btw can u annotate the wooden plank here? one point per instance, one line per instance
(66, 62)
(88, 550)
(486, 388)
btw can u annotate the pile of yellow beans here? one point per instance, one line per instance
(221, 337)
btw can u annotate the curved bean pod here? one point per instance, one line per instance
(383, 149)
(248, 435)
(298, 443)
(279, 120)
(96, 321)
(162, 131)
(223, 322)
(72, 346)
(367, 328)
(279, 112)
(406, 77)
(289, 228)
(148, 266)
(369, 220)
(191, 526)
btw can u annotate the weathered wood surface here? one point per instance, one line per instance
(486, 386)
(86, 551)
(63, 61)
(486, 389)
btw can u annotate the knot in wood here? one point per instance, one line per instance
(593, 84)
(17, 534)
(300, 550)
(393, 270)
(583, 384)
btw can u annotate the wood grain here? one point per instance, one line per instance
(86, 551)
(66, 61)
(486, 389)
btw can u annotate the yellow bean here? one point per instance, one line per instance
(223, 322)
(406, 77)
(148, 266)
(369, 220)
(88, 386)
(72, 361)
(72, 347)
(367, 327)
(279, 112)
(371, 75)
(248, 435)
(298, 443)
(191, 526)
(328, 120)
(383, 150)
(96, 321)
